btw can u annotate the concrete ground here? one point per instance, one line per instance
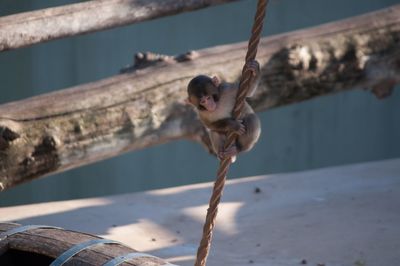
(347, 216)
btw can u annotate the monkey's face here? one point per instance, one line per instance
(208, 103)
(204, 102)
(203, 93)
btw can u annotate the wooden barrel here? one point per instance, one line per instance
(46, 245)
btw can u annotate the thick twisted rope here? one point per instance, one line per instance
(219, 184)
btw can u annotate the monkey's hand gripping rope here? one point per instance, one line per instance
(219, 184)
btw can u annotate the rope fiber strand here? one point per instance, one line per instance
(219, 184)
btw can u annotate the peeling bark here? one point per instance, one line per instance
(76, 126)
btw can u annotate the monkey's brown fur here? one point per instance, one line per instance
(214, 102)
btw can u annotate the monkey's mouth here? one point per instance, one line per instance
(208, 103)
(210, 106)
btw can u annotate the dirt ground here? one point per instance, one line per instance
(339, 216)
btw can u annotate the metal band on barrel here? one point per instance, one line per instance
(121, 259)
(124, 258)
(64, 257)
(24, 228)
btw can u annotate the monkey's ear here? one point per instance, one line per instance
(215, 80)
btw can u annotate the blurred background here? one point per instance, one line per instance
(339, 129)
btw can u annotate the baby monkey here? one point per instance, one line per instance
(214, 101)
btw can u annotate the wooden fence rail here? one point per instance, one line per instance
(28, 28)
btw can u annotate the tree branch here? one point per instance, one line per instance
(76, 126)
(28, 28)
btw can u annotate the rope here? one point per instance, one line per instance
(209, 224)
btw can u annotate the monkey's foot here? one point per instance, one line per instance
(241, 129)
(230, 152)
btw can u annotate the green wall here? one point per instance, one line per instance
(339, 129)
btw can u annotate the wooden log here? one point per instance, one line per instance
(28, 28)
(87, 123)
(42, 246)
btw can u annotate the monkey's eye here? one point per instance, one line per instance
(205, 99)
